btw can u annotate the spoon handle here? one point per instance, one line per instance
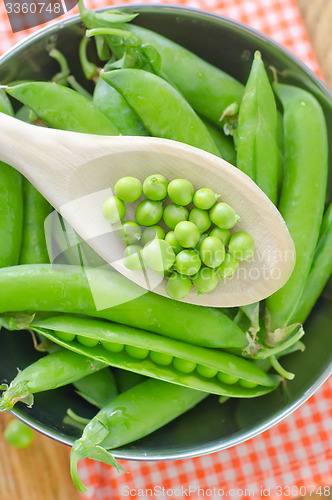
(47, 157)
(21, 145)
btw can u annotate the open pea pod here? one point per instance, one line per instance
(158, 357)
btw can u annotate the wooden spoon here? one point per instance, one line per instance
(76, 173)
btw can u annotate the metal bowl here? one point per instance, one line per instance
(210, 426)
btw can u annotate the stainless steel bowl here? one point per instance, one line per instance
(210, 426)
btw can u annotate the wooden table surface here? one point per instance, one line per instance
(41, 472)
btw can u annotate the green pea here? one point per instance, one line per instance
(133, 259)
(187, 234)
(137, 352)
(66, 337)
(205, 198)
(152, 232)
(18, 434)
(129, 232)
(247, 384)
(149, 213)
(155, 187)
(205, 280)
(181, 191)
(173, 214)
(128, 189)
(87, 341)
(200, 218)
(206, 371)
(222, 234)
(223, 216)
(161, 358)
(226, 378)
(228, 267)
(183, 365)
(114, 209)
(200, 241)
(113, 346)
(178, 286)
(170, 238)
(188, 262)
(212, 251)
(241, 245)
(158, 255)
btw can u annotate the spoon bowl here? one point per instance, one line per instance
(76, 173)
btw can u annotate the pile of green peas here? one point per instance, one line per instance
(197, 246)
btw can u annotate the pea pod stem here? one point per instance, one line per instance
(11, 204)
(36, 209)
(108, 295)
(92, 18)
(305, 145)
(89, 68)
(207, 89)
(282, 347)
(112, 104)
(130, 416)
(49, 372)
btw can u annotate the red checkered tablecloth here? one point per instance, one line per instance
(293, 458)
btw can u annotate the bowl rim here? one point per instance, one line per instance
(235, 438)
(170, 7)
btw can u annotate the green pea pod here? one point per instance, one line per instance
(67, 289)
(130, 416)
(224, 144)
(98, 388)
(120, 335)
(136, 55)
(49, 372)
(303, 192)
(36, 209)
(11, 204)
(11, 215)
(280, 142)
(61, 77)
(320, 271)
(5, 104)
(257, 150)
(69, 110)
(23, 114)
(113, 105)
(163, 111)
(150, 369)
(126, 380)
